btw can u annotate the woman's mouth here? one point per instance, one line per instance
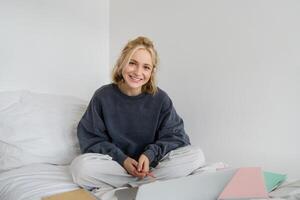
(134, 78)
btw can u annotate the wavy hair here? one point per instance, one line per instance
(130, 48)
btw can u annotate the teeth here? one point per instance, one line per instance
(135, 78)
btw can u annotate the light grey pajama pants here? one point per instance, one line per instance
(93, 170)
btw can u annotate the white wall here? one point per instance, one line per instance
(232, 69)
(54, 46)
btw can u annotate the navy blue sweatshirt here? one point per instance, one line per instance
(119, 125)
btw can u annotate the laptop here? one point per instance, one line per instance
(204, 186)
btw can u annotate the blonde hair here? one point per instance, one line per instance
(130, 48)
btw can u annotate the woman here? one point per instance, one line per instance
(130, 132)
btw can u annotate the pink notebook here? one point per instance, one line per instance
(247, 182)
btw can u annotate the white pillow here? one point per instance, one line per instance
(38, 128)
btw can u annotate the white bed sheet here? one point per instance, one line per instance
(34, 181)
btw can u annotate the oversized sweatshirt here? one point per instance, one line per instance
(120, 126)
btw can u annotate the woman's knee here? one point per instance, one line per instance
(189, 152)
(86, 166)
(180, 162)
(190, 157)
(198, 155)
(79, 168)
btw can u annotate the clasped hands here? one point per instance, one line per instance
(138, 168)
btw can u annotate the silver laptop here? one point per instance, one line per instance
(204, 186)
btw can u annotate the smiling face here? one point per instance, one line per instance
(137, 72)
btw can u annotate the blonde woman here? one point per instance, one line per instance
(130, 133)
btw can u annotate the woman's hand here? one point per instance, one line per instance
(131, 167)
(143, 165)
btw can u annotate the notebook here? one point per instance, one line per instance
(247, 183)
(79, 194)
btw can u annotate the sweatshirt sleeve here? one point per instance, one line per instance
(170, 134)
(92, 134)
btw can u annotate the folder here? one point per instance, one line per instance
(246, 183)
(78, 194)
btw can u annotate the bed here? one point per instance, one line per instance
(38, 141)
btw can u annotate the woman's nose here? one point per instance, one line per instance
(138, 70)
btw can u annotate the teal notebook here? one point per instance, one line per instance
(273, 180)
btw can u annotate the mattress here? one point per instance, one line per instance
(34, 181)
